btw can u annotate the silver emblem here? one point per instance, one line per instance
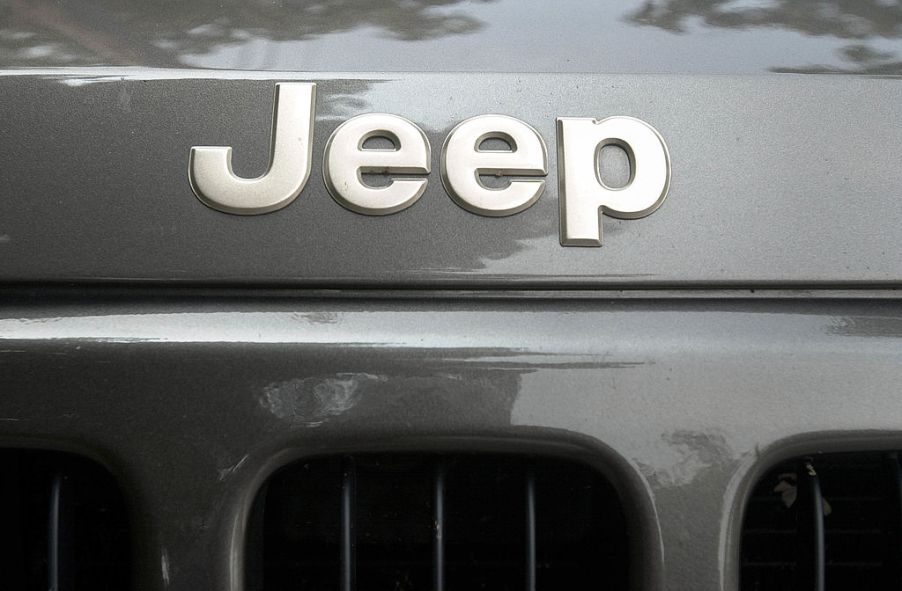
(346, 159)
(463, 161)
(583, 196)
(210, 168)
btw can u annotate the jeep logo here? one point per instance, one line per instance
(583, 195)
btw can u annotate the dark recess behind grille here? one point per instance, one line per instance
(63, 524)
(793, 545)
(369, 522)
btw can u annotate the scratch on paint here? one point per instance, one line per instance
(227, 472)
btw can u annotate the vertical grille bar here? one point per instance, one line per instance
(438, 563)
(530, 531)
(348, 534)
(811, 567)
(894, 548)
(61, 562)
(53, 535)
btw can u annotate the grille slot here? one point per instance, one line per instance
(438, 523)
(828, 522)
(63, 524)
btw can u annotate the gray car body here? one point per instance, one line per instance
(754, 317)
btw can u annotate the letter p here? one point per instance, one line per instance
(584, 196)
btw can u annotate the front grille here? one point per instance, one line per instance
(62, 524)
(437, 522)
(831, 521)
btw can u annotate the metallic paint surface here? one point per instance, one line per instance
(627, 36)
(192, 396)
(192, 402)
(777, 181)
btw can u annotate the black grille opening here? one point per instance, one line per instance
(62, 524)
(437, 522)
(825, 522)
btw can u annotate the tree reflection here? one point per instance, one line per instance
(855, 20)
(862, 59)
(156, 33)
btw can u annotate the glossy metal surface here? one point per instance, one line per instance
(193, 396)
(584, 196)
(777, 181)
(862, 37)
(192, 403)
(464, 161)
(215, 183)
